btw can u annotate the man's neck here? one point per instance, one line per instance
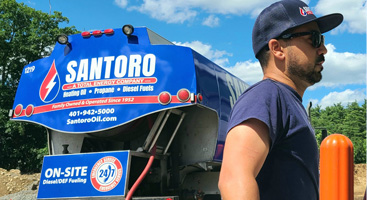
(282, 78)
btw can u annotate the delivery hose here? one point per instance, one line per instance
(143, 174)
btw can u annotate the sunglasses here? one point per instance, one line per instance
(316, 37)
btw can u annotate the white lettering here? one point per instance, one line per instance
(146, 88)
(132, 66)
(149, 65)
(72, 93)
(67, 172)
(72, 74)
(84, 171)
(108, 61)
(130, 88)
(104, 90)
(55, 172)
(83, 70)
(96, 68)
(120, 66)
(48, 173)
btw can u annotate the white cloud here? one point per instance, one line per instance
(354, 12)
(248, 71)
(121, 3)
(166, 10)
(211, 21)
(345, 97)
(217, 56)
(342, 68)
(232, 7)
(180, 11)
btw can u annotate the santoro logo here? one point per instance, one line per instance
(50, 86)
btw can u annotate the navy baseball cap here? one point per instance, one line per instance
(284, 15)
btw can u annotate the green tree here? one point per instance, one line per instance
(354, 127)
(349, 121)
(26, 35)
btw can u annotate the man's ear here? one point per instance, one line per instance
(276, 49)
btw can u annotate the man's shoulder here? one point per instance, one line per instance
(262, 89)
(260, 101)
(261, 94)
(264, 84)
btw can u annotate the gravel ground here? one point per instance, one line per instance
(22, 195)
(17, 186)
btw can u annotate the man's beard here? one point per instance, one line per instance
(310, 75)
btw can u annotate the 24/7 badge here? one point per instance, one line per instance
(106, 173)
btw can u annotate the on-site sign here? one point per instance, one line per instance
(84, 175)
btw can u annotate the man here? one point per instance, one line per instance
(271, 150)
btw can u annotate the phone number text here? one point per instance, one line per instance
(92, 112)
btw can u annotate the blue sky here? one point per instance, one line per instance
(221, 31)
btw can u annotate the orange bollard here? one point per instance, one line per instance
(336, 168)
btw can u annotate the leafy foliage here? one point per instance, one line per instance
(21, 144)
(349, 121)
(26, 35)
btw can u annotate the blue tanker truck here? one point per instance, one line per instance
(129, 115)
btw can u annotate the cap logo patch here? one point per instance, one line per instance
(305, 11)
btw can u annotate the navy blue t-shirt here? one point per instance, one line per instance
(290, 170)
